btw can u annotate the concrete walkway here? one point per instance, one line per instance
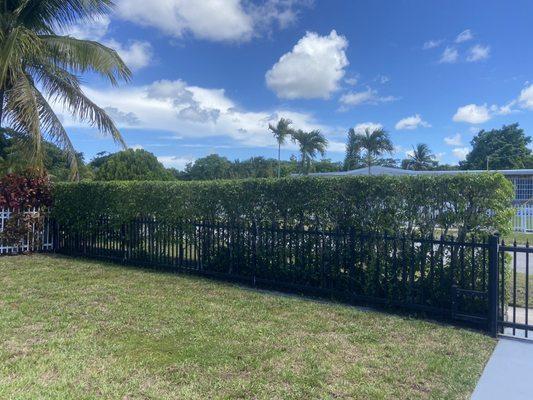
(509, 373)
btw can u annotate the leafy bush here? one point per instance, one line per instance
(469, 203)
(19, 192)
(27, 196)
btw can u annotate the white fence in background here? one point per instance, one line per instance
(523, 218)
(36, 240)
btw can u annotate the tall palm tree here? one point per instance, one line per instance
(375, 143)
(281, 131)
(310, 143)
(39, 66)
(420, 159)
(352, 159)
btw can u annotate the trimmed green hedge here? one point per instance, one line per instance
(467, 202)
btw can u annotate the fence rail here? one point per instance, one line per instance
(441, 277)
(38, 238)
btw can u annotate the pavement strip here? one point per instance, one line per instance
(509, 373)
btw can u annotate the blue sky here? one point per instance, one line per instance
(209, 76)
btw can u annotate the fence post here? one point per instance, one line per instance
(123, 242)
(494, 243)
(55, 234)
(254, 251)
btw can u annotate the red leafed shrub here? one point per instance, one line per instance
(20, 192)
(28, 196)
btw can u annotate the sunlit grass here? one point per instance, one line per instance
(86, 330)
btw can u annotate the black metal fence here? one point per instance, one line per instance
(444, 278)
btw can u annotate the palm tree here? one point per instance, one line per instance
(352, 159)
(420, 159)
(310, 143)
(376, 143)
(280, 132)
(38, 66)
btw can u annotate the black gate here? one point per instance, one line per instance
(514, 293)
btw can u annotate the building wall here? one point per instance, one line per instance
(523, 185)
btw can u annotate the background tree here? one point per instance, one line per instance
(56, 163)
(310, 144)
(386, 162)
(130, 165)
(505, 148)
(36, 64)
(326, 165)
(352, 160)
(420, 159)
(281, 131)
(207, 168)
(376, 143)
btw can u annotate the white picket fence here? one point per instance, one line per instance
(36, 240)
(523, 218)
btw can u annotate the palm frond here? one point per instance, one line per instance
(43, 15)
(281, 130)
(64, 88)
(83, 56)
(51, 125)
(22, 113)
(18, 44)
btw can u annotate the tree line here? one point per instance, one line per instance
(504, 148)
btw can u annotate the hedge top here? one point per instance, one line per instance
(468, 203)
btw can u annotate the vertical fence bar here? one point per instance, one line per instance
(527, 288)
(254, 252)
(493, 285)
(514, 287)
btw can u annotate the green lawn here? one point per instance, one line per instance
(76, 329)
(520, 237)
(520, 290)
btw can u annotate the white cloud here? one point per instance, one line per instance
(461, 152)
(455, 140)
(439, 156)
(478, 53)
(125, 119)
(450, 55)
(431, 44)
(351, 81)
(464, 36)
(93, 29)
(192, 112)
(136, 55)
(382, 79)
(175, 162)
(371, 126)
(312, 69)
(525, 99)
(412, 122)
(216, 20)
(369, 96)
(473, 114)
(136, 147)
